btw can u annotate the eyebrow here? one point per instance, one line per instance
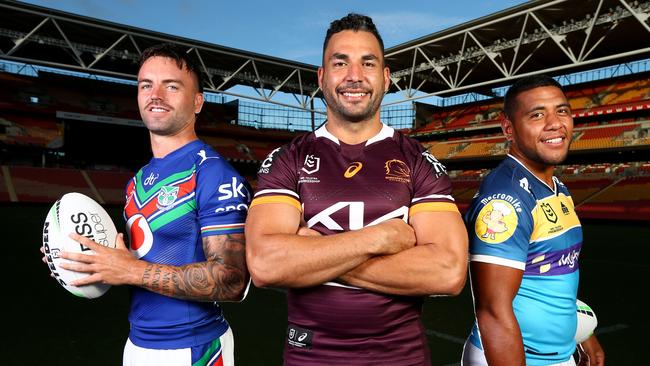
(166, 81)
(541, 107)
(343, 56)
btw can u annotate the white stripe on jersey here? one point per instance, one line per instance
(497, 260)
(282, 191)
(433, 196)
(336, 284)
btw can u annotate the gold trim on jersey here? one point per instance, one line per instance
(553, 215)
(433, 206)
(277, 199)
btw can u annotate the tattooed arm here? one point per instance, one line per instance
(222, 277)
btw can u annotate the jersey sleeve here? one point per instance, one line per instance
(431, 185)
(500, 224)
(222, 198)
(277, 180)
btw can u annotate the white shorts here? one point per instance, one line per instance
(474, 356)
(220, 356)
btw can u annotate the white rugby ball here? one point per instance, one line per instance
(78, 213)
(587, 322)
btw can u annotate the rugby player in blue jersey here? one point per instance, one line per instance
(185, 213)
(525, 241)
(356, 220)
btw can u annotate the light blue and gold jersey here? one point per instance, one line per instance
(517, 220)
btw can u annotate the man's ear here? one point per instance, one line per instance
(320, 77)
(506, 127)
(198, 102)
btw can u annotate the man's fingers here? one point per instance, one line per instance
(85, 241)
(76, 266)
(93, 278)
(119, 241)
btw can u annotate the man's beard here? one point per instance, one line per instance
(351, 116)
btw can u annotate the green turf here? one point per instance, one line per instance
(44, 324)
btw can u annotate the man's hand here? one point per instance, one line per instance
(397, 236)
(591, 353)
(112, 266)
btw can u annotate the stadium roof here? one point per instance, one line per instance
(540, 36)
(43, 36)
(552, 37)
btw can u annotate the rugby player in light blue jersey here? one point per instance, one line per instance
(185, 213)
(525, 241)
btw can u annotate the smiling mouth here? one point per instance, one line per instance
(554, 141)
(354, 95)
(157, 108)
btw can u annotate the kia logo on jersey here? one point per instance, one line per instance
(356, 216)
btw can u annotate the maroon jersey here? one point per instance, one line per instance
(340, 187)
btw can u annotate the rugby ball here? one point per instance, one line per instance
(78, 213)
(587, 322)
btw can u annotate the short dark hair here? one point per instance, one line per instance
(354, 22)
(178, 54)
(522, 85)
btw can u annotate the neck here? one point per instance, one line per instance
(162, 145)
(542, 171)
(353, 133)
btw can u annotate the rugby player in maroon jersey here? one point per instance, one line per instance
(356, 220)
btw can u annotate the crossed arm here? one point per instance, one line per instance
(222, 277)
(381, 258)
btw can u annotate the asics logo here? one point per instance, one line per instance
(353, 169)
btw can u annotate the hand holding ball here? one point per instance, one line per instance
(76, 213)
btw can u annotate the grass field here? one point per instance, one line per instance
(45, 325)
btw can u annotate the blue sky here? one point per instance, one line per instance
(288, 29)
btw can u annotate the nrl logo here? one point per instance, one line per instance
(312, 164)
(167, 196)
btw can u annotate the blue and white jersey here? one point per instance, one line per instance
(172, 203)
(517, 220)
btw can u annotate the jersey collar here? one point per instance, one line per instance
(385, 133)
(555, 180)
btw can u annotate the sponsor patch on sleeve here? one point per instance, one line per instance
(496, 222)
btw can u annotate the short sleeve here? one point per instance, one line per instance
(277, 180)
(431, 185)
(222, 197)
(500, 224)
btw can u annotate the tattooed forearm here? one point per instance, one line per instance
(223, 277)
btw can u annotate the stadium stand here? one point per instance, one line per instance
(626, 199)
(109, 184)
(608, 96)
(47, 185)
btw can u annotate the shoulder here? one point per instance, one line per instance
(288, 152)
(209, 163)
(507, 184)
(507, 177)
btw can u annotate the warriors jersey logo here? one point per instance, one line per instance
(397, 171)
(496, 222)
(353, 169)
(167, 196)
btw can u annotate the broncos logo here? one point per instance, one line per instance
(397, 171)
